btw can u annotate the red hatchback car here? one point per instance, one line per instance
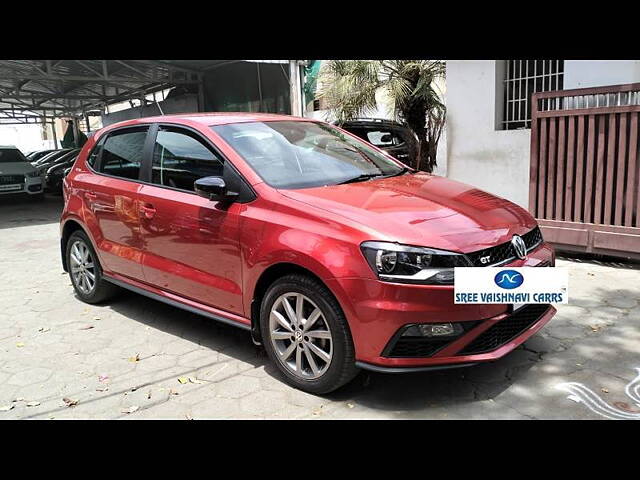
(334, 255)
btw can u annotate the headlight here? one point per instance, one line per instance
(33, 174)
(393, 262)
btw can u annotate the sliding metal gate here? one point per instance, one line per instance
(585, 168)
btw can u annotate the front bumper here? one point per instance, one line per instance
(30, 186)
(377, 311)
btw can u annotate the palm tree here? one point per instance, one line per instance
(349, 88)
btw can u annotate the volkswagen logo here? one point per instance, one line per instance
(519, 247)
(508, 279)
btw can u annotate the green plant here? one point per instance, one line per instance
(349, 89)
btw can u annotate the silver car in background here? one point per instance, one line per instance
(17, 175)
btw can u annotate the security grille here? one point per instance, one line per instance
(523, 78)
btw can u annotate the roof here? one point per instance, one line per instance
(213, 118)
(220, 118)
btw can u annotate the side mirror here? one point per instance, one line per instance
(213, 188)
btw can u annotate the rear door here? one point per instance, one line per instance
(111, 200)
(191, 243)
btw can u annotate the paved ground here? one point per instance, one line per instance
(128, 359)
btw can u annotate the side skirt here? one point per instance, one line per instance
(175, 303)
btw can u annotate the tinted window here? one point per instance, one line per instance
(292, 154)
(180, 158)
(123, 153)
(383, 138)
(11, 155)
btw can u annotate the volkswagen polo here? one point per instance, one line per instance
(331, 253)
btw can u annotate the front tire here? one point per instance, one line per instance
(85, 270)
(306, 335)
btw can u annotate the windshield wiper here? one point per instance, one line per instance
(402, 171)
(361, 178)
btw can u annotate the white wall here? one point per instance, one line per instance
(498, 160)
(494, 160)
(597, 73)
(26, 137)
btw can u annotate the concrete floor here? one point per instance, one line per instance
(128, 358)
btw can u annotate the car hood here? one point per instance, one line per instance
(422, 209)
(16, 168)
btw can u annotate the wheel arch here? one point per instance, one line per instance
(70, 226)
(266, 278)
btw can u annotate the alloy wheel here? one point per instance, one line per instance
(82, 267)
(300, 336)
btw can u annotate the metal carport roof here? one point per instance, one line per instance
(36, 91)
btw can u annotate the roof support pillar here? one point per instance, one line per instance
(201, 107)
(55, 137)
(295, 90)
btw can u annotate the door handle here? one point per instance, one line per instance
(147, 210)
(90, 196)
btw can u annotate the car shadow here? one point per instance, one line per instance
(409, 391)
(22, 211)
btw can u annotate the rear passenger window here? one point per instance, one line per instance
(180, 158)
(122, 153)
(383, 138)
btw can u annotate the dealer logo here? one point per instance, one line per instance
(519, 247)
(508, 279)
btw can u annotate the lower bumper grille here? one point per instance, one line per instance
(11, 179)
(505, 330)
(415, 347)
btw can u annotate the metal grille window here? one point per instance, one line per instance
(523, 78)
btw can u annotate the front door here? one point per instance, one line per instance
(191, 243)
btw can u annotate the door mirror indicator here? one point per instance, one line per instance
(214, 188)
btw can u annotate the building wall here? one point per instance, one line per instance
(596, 73)
(495, 160)
(478, 153)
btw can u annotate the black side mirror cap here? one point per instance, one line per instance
(213, 188)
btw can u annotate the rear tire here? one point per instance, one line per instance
(308, 340)
(85, 270)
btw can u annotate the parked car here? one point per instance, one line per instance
(17, 175)
(38, 154)
(56, 173)
(393, 137)
(333, 254)
(44, 167)
(48, 160)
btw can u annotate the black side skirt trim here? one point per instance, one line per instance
(379, 369)
(176, 304)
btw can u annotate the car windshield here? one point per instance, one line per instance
(11, 155)
(296, 154)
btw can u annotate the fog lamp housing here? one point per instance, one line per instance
(433, 330)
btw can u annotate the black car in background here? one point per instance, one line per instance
(38, 154)
(388, 135)
(55, 173)
(54, 158)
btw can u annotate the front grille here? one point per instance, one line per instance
(400, 346)
(505, 330)
(11, 179)
(505, 252)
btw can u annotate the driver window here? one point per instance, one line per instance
(180, 158)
